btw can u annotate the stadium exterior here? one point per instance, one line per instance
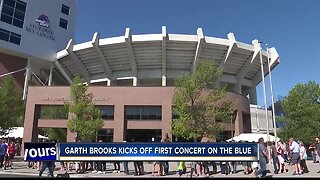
(131, 76)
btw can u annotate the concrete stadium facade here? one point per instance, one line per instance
(133, 76)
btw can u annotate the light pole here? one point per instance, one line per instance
(264, 97)
(264, 92)
(272, 102)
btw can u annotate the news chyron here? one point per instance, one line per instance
(40, 151)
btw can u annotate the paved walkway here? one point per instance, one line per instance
(20, 168)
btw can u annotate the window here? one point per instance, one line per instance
(65, 9)
(13, 12)
(15, 38)
(4, 35)
(63, 23)
(143, 112)
(107, 112)
(53, 112)
(106, 135)
(8, 36)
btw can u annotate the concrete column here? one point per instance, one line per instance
(30, 132)
(26, 79)
(108, 82)
(164, 81)
(119, 122)
(166, 120)
(253, 96)
(238, 124)
(70, 136)
(50, 75)
(134, 81)
(237, 88)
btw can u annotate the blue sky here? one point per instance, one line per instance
(292, 27)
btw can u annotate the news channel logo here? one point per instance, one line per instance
(40, 151)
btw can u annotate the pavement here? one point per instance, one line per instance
(20, 169)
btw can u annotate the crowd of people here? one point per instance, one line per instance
(292, 152)
(8, 150)
(282, 155)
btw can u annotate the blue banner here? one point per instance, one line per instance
(158, 151)
(40, 151)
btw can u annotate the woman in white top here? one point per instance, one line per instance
(280, 152)
(303, 158)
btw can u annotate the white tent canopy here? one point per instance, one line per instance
(17, 132)
(252, 137)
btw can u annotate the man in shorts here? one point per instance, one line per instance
(295, 148)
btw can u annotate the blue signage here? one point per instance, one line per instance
(159, 151)
(40, 151)
(141, 151)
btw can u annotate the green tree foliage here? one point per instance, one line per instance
(54, 112)
(200, 109)
(302, 109)
(12, 106)
(86, 118)
(56, 134)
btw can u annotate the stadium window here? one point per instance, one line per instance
(65, 9)
(63, 23)
(13, 12)
(4, 35)
(107, 112)
(106, 135)
(8, 36)
(15, 38)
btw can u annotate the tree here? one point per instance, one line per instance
(54, 112)
(302, 109)
(282, 131)
(86, 119)
(12, 106)
(56, 134)
(199, 109)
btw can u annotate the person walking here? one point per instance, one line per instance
(165, 164)
(125, 166)
(159, 165)
(280, 152)
(49, 165)
(295, 148)
(274, 157)
(318, 147)
(303, 158)
(3, 152)
(262, 159)
(312, 149)
(182, 169)
(11, 152)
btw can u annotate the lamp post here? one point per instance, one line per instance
(264, 92)
(264, 97)
(272, 102)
